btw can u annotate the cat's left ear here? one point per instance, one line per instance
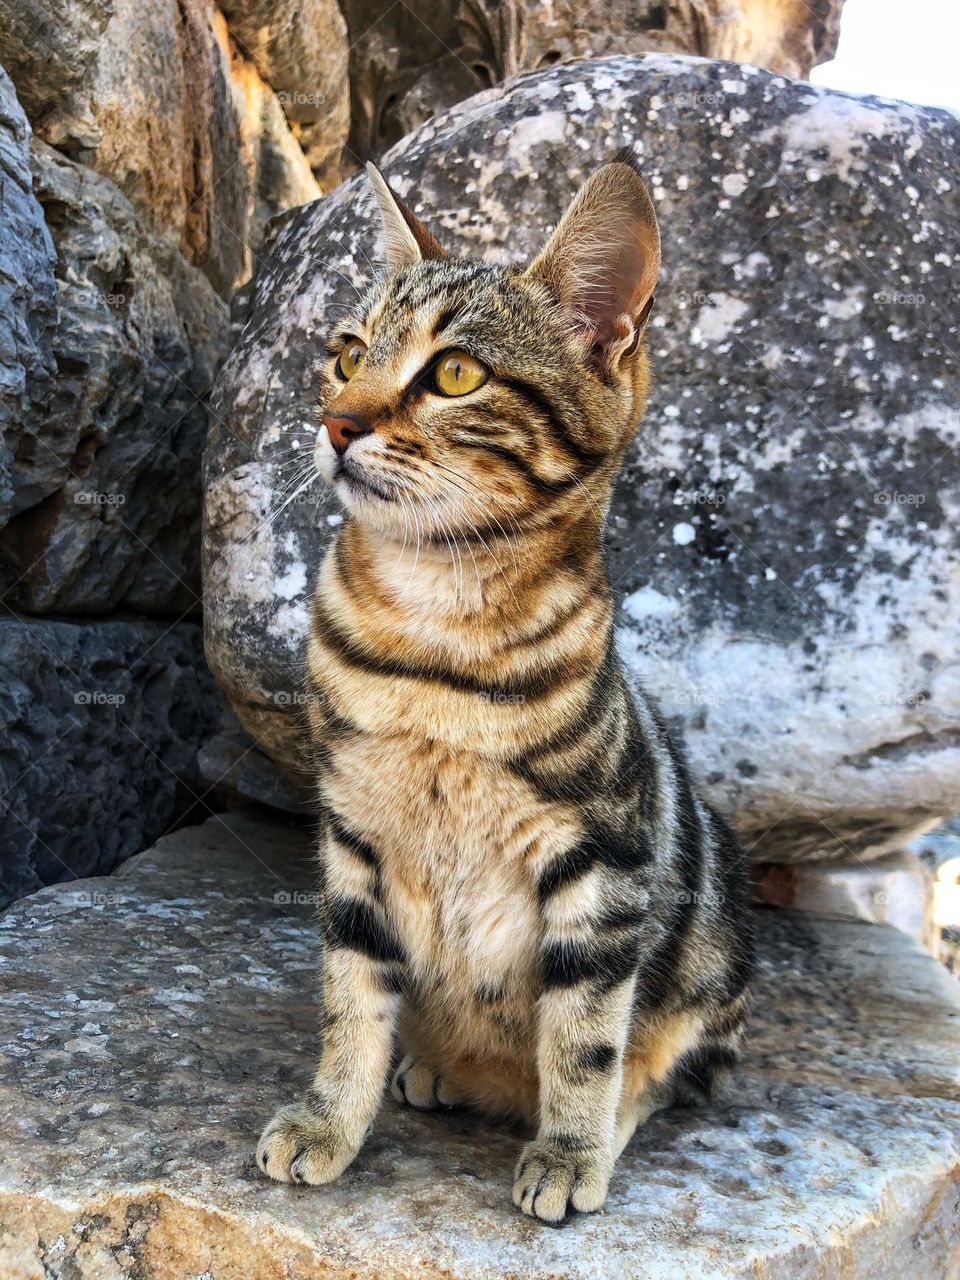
(406, 239)
(603, 261)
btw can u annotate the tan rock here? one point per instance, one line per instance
(169, 109)
(408, 61)
(152, 1019)
(300, 49)
(278, 172)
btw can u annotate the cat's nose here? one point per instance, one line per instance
(342, 428)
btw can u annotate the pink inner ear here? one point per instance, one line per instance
(614, 291)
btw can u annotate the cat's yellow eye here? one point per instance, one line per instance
(351, 358)
(457, 374)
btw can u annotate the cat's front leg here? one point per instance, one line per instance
(314, 1140)
(584, 1018)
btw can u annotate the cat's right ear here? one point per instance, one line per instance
(406, 240)
(603, 261)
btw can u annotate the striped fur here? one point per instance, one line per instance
(520, 882)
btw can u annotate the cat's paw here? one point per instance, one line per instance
(300, 1146)
(418, 1083)
(549, 1182)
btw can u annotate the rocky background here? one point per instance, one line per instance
(145, 147)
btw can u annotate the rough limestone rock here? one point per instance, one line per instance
(50, 49)
(28, 311)
(111, 513)
(784, 537)
(171, 111)
(410, 60)
(300, 48)
(99, 729)
(151, 1020)
(278, 173)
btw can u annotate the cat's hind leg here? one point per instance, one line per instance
(678, 1065)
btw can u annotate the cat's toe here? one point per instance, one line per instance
(417, 1083)
(549, 1183)
(297, 1146)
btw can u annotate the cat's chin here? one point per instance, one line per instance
(357, 491)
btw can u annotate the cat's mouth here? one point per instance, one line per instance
(358, 484)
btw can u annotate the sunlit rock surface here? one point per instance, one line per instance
(150, 1021)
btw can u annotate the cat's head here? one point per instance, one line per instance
(462, 397)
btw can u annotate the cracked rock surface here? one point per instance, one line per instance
(783, 542)
(100, 724)
(150, 1021)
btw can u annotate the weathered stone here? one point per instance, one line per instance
(235, 770)
(100, 728)
(169, 134)
(278, 174)
(49, 50)
(939, 850)
(152, 1019)
(115, 443)
(28, 312)
(783, 536)
(170, 111)
(411, 60)
(300, 48)
(896, 889)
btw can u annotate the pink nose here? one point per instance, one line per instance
(342, 428)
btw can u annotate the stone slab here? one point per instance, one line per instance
(151, 1020)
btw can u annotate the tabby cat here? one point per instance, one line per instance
(518, 877)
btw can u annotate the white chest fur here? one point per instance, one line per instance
(459, 838)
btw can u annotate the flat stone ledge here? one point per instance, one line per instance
(150, 1021)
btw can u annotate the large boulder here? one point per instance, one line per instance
(108, 456)
(151, 1020)
(410, 60)
(100, 725)
(783, 538)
